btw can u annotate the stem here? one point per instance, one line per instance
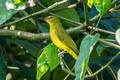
(101, 30)
(86, 11)
(101, 69)
(113, 73)
(110, 44)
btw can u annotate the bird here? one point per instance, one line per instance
(60, 37)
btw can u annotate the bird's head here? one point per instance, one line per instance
(52, 20)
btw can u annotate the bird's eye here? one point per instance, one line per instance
(51, 17)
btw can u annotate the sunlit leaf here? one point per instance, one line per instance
(48, 59)
(90, 3)
(86, 48)
(102, 6)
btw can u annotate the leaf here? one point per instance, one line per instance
(3, 67)
(100, 49)
(48, 59)
(5, 14)
(86, 48)
(9, 7)
(117, 36)
(118, 74)
(102, 6)
(90, 3)
(25, 71)
(68, 13)
(32, 49)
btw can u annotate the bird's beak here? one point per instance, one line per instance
(42, 18)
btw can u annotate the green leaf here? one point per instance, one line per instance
(99, 49)
(117, 36)
(32, 49)
(5, 13)
(9, 8)
(68, 13)
(48, 59)
(3, 67)
(90, 3)
(86, 48)
(102, 6)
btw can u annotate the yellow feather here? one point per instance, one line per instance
(60, 37)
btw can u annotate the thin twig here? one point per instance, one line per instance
(113, 73)
(110, 44)
(101, 30)
(62, 63)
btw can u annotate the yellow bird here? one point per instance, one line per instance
(60, 37)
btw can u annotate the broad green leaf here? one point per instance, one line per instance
(48, 59)
(9, 7)
(90, 3)
(52, 55)
(3, 67)
(68, 13)
(117, 36)
(86, 48)
(102, 6)
(25, 71)
(5, 13)
(32, 49)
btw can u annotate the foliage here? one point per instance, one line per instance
(26, 51)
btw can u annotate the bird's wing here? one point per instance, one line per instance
(66, 39)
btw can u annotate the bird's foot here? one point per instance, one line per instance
(60, 54)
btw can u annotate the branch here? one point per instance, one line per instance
(101, 30)
(33, 36)
(101, 69)
(22, 34)
(36, 13)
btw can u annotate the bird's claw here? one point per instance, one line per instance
(60, 54)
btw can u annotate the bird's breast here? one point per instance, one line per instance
(55, 39)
